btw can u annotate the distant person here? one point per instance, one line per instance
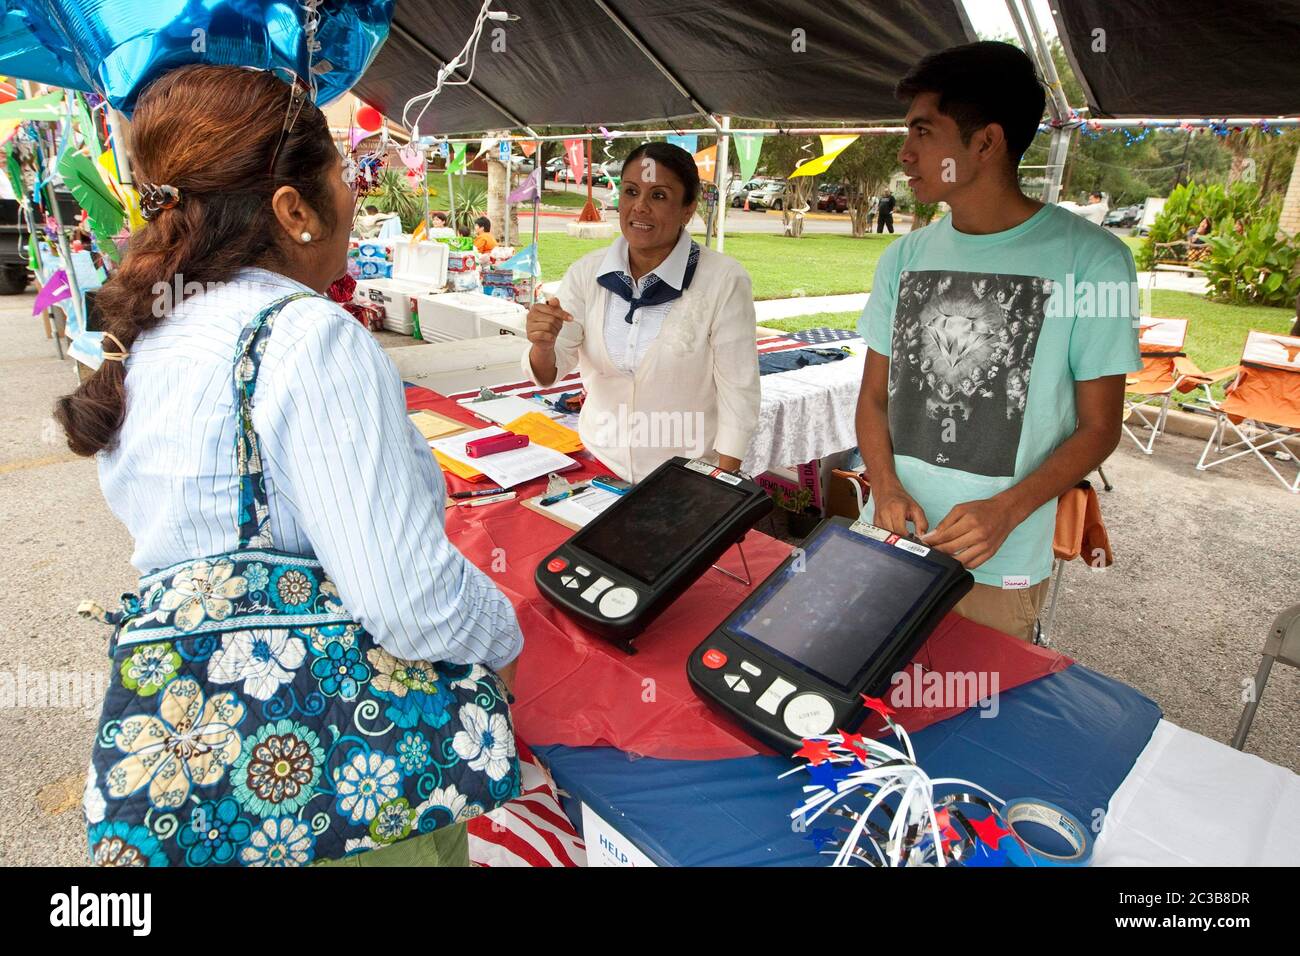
(1198, 240)
(439, 220)
(986, 394)
(1094, 210)
(372, 223)
(885, 212)
(483, 240)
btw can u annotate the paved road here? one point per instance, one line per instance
(1204, 561)
(738, 220)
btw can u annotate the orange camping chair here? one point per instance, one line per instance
(1148, 393)
(1262, 406)
(1080, 533)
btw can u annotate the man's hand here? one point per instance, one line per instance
(545, 320)
(895, 508)
(973, 531)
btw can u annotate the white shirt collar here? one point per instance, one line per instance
(672, 270)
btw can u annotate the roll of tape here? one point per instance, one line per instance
(1022, 852)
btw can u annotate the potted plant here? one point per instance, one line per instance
(802, 517)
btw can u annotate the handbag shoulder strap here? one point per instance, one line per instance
(254, 514)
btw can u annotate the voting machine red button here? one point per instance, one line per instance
(714, 658)
(556, 565)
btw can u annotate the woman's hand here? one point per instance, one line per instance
(545, 321)
(507, 674)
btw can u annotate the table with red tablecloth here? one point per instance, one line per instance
(627, 736)
(574, 688)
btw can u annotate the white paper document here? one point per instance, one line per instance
(583, 507)
(506, 410)
(506, 468)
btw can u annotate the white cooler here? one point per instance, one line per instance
(419, 268)
(450, 316)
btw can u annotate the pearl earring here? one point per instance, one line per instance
(305, 237)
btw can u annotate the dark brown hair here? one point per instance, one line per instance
(211, 132)
(676, 159)
(982, 83)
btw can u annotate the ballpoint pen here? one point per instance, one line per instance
(475, 502)
(552, 499)
(478, 493)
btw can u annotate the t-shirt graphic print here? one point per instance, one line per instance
(963, 350)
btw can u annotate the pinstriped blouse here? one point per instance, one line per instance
(349, 478)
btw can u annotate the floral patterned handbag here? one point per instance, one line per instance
(249, 721)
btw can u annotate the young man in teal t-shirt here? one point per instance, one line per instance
(999, 338)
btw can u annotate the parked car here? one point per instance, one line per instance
(740, 189)
(769, 195)
(1123, 216)
(14, 275)
(832, 197)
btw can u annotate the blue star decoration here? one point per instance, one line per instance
(829, 775)
(820, 836)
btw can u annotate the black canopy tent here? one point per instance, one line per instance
(590, 62)
(1188, 58)
(587, 62)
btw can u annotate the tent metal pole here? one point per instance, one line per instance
(1061, 111)
(720, 173)
(659, 65)
(1031, 37)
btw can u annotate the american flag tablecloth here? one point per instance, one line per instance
(804, 414)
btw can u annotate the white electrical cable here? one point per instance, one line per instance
(468, 53)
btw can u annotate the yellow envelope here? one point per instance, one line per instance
(547, 432)
(455, 467)
(433, 425)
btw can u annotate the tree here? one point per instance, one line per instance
(781, 154)
(863, 168)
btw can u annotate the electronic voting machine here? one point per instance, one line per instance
(846, 611)
(640, 554)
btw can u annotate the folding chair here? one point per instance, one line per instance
(1262, 406)
(1148, 393)
(1283, 645)
(1080, 533)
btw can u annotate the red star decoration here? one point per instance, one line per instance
(855, 744)
(948, 835)
(878, 705)
(815, 751)
(989, 830)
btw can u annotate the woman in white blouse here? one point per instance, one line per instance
(662, 329)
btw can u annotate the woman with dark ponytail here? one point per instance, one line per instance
(310, 670)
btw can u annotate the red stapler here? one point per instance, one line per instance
(494, 444)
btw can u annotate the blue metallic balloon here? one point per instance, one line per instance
(116, 47)
(30, 49)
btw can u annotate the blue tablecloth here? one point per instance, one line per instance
(1070, 738)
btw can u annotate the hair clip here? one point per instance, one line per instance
(155, 198)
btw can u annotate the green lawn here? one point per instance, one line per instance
(1215, 332)
(831, 264)
(780, 267)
